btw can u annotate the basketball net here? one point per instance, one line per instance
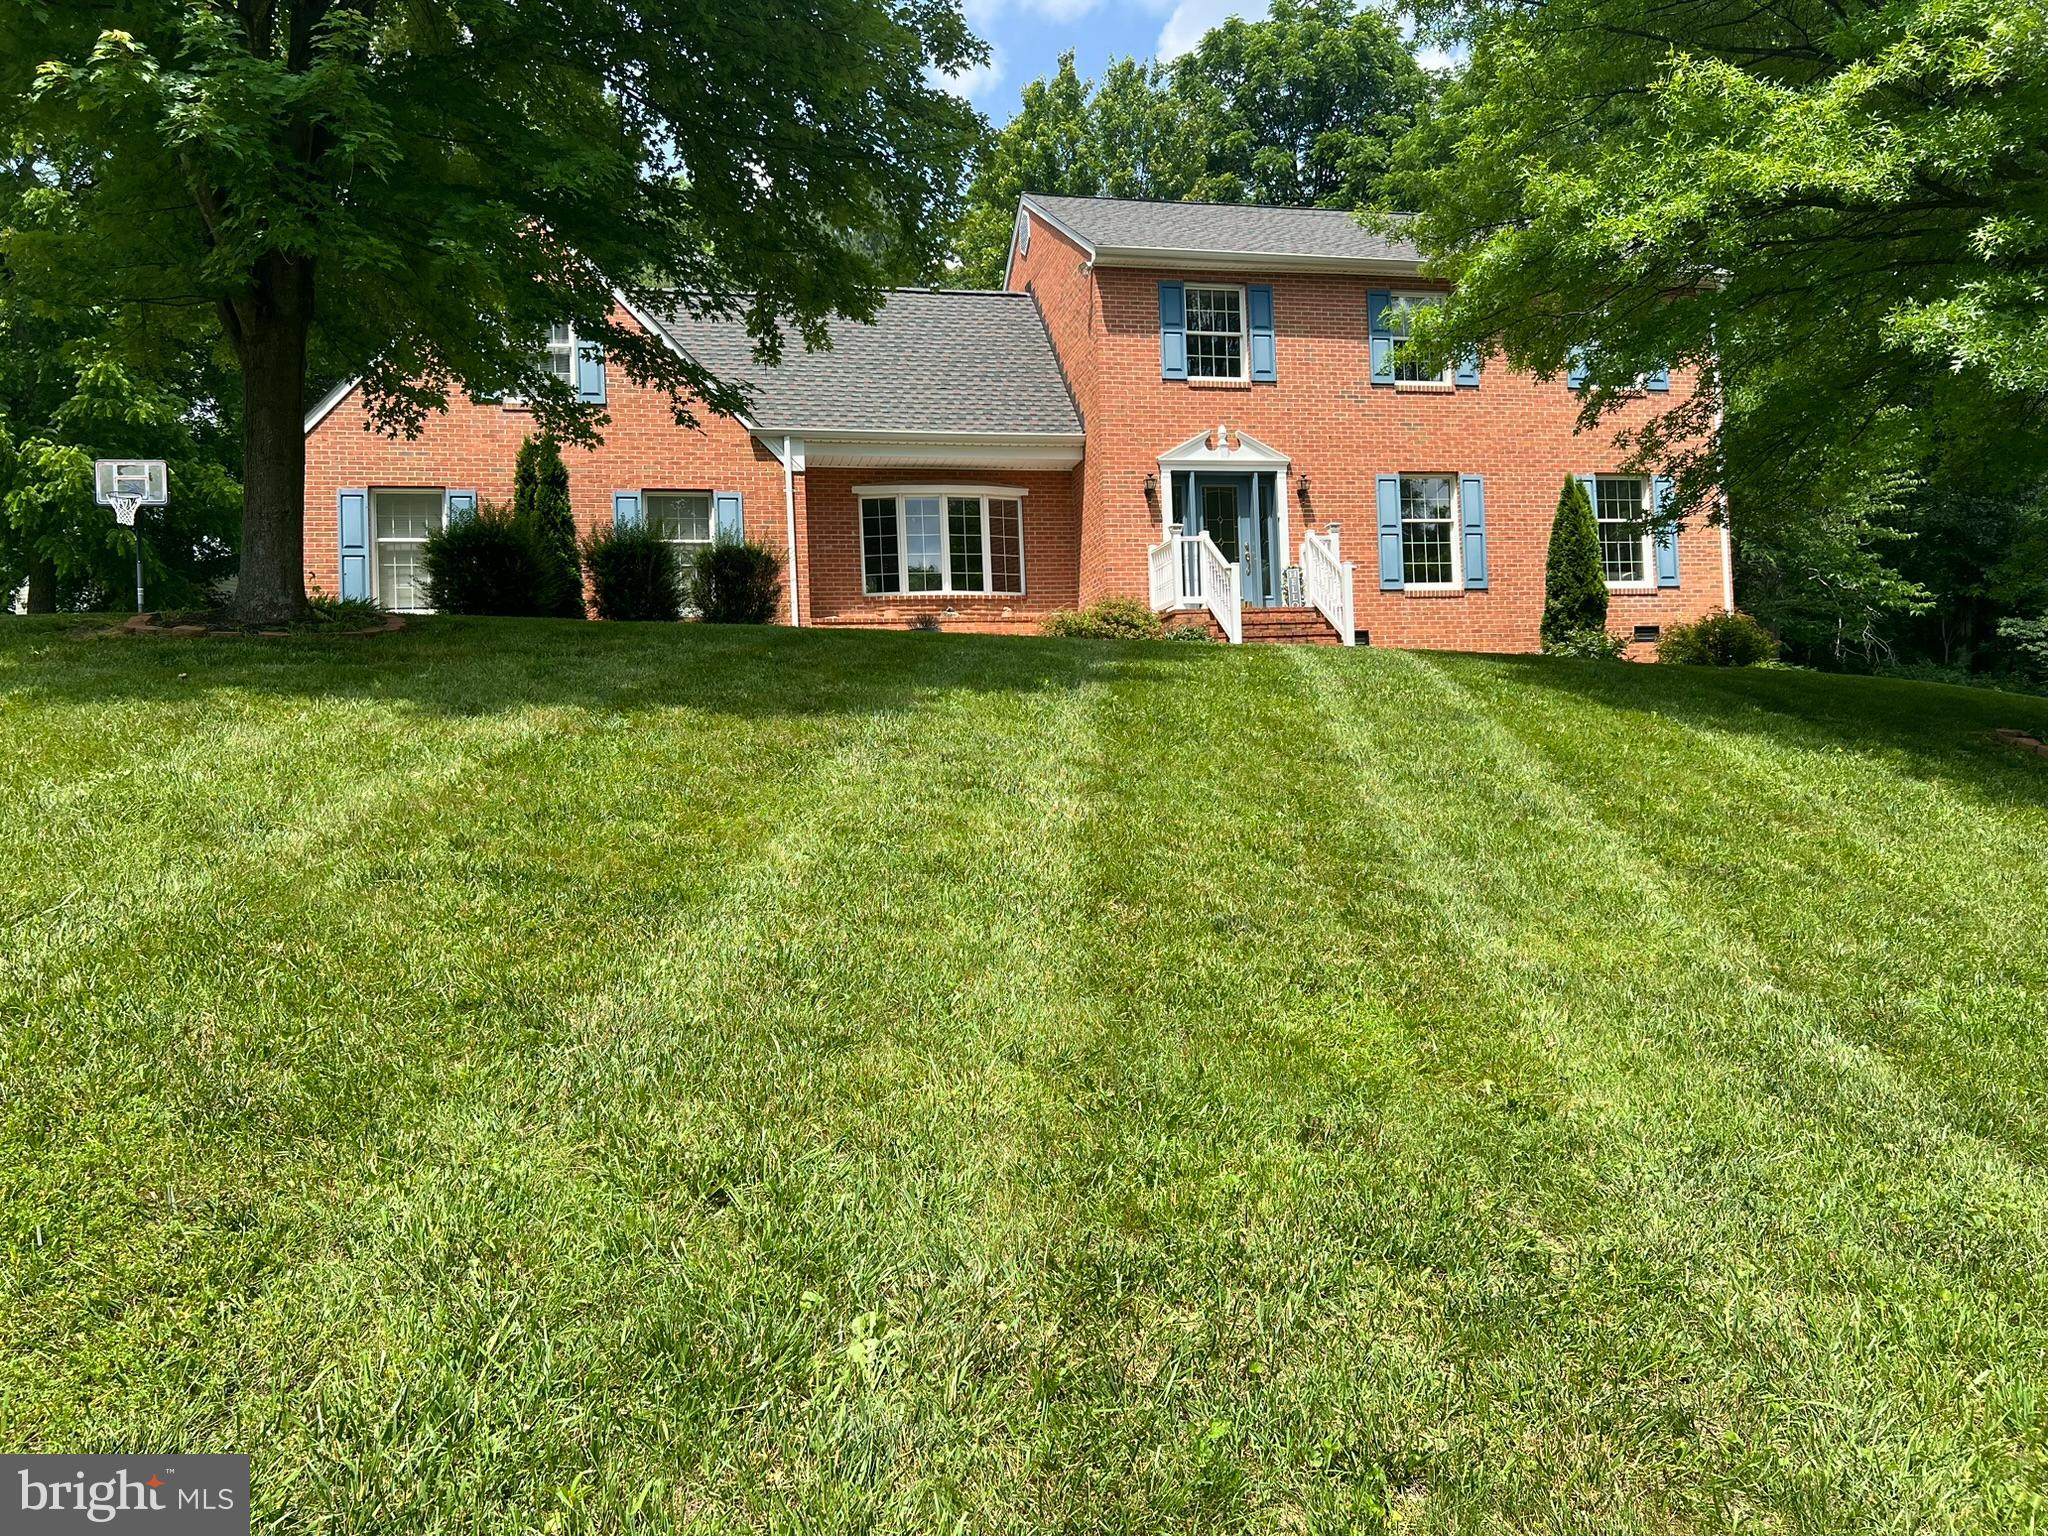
(124, 509)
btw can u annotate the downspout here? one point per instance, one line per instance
(796, 606)
(1721, 470)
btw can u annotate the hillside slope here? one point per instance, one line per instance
(656, 1078)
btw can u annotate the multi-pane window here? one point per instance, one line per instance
(683, 518)
(1399, 317)
(402, 522)
(1215, 332)
(956, 541)
(1619, 509)
(562, 353)
(1429, 543)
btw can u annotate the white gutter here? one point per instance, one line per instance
(796, 605)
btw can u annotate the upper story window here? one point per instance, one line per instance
(1216, 341)
(1401, 314)
(1621, 508)
(561, 359)
(941, 540)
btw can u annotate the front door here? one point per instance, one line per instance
(1237, 512)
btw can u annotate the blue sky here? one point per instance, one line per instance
(1028, 36)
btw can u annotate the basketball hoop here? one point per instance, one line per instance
(126, 485)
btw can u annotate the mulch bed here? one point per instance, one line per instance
(153, 624)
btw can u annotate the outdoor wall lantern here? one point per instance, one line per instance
(1151, 487)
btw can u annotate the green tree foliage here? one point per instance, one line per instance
(1306, 106)
(68, 397)
(1302, 108)
(1574, 581)
(1834, 212)
(540, 499)
(416, 192)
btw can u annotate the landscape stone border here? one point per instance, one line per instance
(2023, 741)
(152, 624)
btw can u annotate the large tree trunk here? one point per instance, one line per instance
(42, 587)
(269, 325)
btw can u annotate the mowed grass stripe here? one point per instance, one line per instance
(1713, 1076)
(789, 1139)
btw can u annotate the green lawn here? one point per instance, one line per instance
(514, 1076)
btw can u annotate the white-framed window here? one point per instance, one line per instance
(400, 522)
(1621, 510)
(941, 539)
(1217, 347)
(1400, 314)
(561, 358)
(1430, 552)
(682, 518)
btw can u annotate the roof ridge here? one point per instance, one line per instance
(1197, 202)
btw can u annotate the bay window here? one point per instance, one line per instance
(941, 540)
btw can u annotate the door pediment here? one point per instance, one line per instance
(1221, 449)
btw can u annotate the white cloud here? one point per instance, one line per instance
(1191, 18)
(1429, 56)
(975, 81)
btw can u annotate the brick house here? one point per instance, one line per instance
(1203, 407)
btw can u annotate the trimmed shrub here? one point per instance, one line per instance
(1719, 640)
(733, 582)
(1191, 634)
(1114, 618)
(487, 562)
(1588, 645)
(632, 574)
(540, 499)
(1574, 581)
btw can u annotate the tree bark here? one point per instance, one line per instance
(269, 325)
(42, 587)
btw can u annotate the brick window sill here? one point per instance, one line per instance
(1437, 595)
(1225, 384)
(1421, 387)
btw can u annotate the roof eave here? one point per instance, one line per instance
(1254, 261)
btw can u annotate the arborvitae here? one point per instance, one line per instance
(1574, 583)
(540, 497)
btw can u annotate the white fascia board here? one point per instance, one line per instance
(647, 323)
(1253, 261)
(1026, 201)
(981, 450)
(328, 402)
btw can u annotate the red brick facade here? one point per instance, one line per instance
(1340, 431)
(1087, 530)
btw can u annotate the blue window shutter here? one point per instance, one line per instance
(625, 509)
(1468, 371)
(457, 505)
(1658, 379)
(1592, 485)
(1377, 301)
(1265, 362)
(352, 517)
(1472, 510)
(1667, 536)
(729, 525)
(1173, 331)
(1390, 532)
(590, 373)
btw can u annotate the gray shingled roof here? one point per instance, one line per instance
(934, 360)
(1117, 225)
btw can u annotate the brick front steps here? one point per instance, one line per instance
(1272, 626)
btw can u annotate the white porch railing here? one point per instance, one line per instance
(1326, 580)
(1189, 571)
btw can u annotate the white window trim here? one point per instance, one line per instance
(1647, 541)
(1448, 378)
(377, 543)
(1244, 334)
(982, 493)
(1457, 520)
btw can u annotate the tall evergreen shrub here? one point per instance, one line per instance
(1574, 583)
(540, 498)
